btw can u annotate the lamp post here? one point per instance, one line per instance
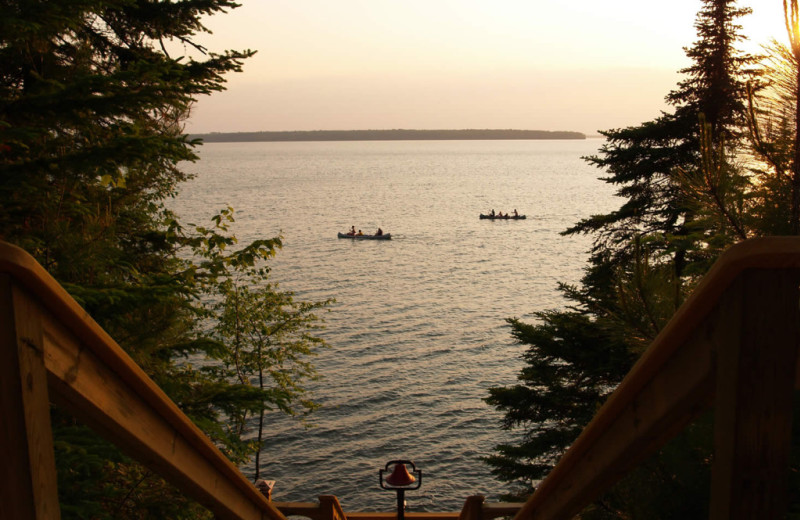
(400, 480)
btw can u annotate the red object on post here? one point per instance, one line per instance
(400, 480)
(400, 476)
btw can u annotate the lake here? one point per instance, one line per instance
(418, 331)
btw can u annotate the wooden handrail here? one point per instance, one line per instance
(475, 508)
(740, 325)
(52, 350)
(491, 510)
(331, 507)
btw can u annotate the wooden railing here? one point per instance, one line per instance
(475, 508)
(52, 351)
(732, 346)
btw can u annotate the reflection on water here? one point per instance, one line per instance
(418, 332)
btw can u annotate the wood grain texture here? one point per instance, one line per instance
(673, 381)
(29, 483)
(753, 406)
(90, 375)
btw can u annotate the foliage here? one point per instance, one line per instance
(773, 124)
(714, 171)
(642, 160)
(268, 336)
(564, 382)
(91, 140)
(271, 343)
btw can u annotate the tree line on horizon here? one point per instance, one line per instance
(385, 135)
(721, 166)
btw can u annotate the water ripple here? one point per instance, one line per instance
(418, 333)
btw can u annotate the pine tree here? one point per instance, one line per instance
(645, 255)
(92, 104)
(774, 118)
(91, 137)
(643, 160)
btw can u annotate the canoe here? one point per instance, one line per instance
(385, 236)
(504, 217)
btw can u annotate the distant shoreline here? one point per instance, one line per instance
(384, 135)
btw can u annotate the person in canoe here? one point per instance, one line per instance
(515, 212)
(359, 234)
(352, 231)
(491, 213)
(379, 233)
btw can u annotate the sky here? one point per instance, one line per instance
(579, 65)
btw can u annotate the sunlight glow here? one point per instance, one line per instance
(538, 64)
(791, 19)
(767, 23)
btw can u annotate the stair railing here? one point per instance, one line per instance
(475, 508)
(52, 351)
(732, 346)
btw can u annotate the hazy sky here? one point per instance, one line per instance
(580, 65)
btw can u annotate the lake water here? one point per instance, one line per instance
(418, 331)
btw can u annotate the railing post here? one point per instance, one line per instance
(756, 363)
(28, 475)
(473, 508)
(330, 508)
